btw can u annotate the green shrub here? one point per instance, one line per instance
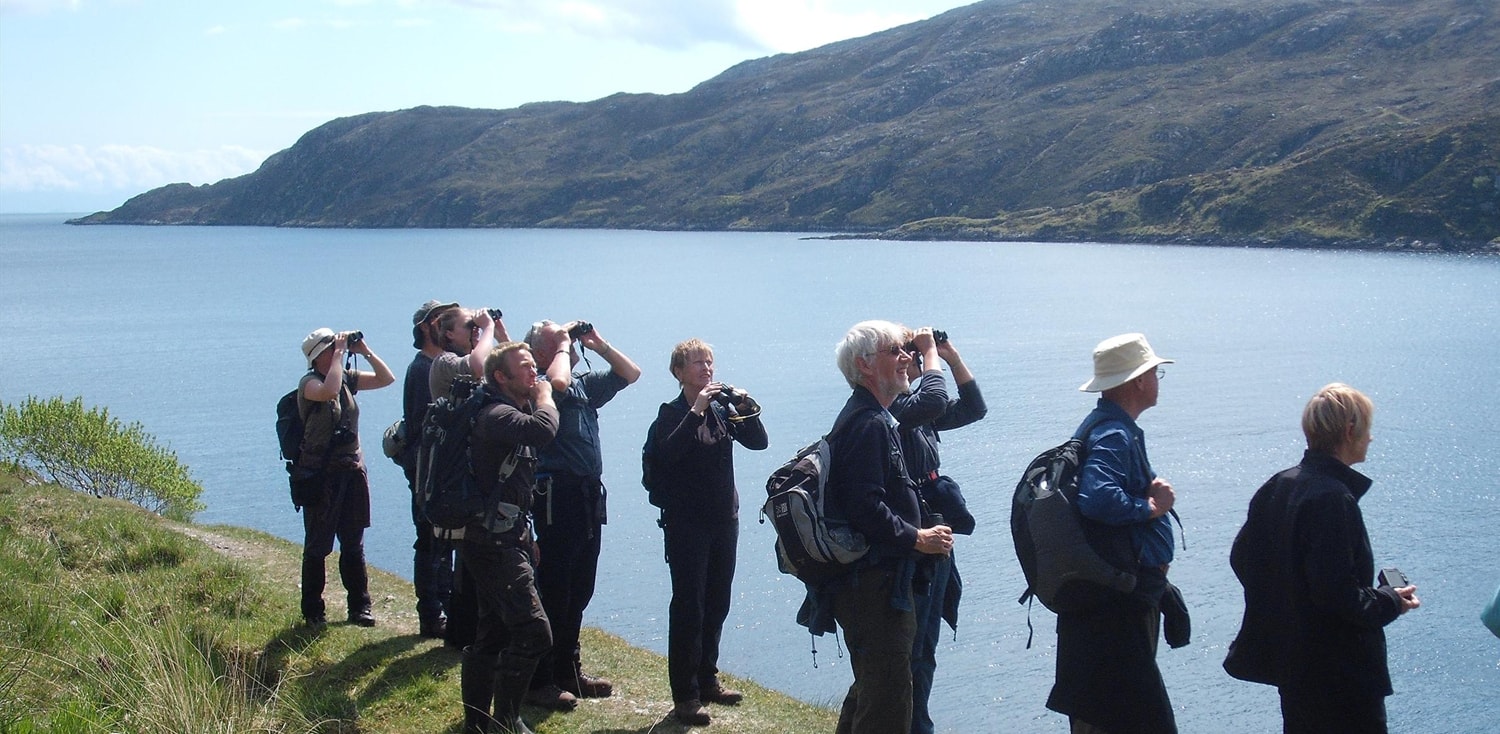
(89, 451)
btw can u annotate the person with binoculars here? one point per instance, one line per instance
(339, 506)
(921, 414)
(691, 449)
(570, 504)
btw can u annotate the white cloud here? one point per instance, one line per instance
(75, 168)
(798, 25)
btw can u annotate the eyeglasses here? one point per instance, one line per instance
(894, 350)
(1161, 372)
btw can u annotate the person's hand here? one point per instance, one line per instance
(923, 339)
(705, 396)
(947, 351)
(1162, 497)
(541, 390)
(340, 344)
(935, 541)
(592, 341)
(1408, 596)
(747, 405)
(482, 318)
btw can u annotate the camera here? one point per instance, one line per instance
(938, 336)
(728, 396)
(579, 328)
(353, 337)
(1393, 578)
(495, 314)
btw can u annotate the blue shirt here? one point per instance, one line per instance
(1115, 482)
(576, 448)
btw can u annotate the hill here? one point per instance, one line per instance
(1272, 121)
(116, 619)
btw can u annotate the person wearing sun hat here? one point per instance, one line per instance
(432, 553)
(330, 447)
(1107, 677)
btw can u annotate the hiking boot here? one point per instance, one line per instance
(589, 686)
(316, 622)
(552, 698)
(691, 712)
(363, 618)
(721, 695)
(436, 629)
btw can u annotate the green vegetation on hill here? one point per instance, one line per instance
(1304, 122)
(116, 619)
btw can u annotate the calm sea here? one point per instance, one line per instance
(194, 332)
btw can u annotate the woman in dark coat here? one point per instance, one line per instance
(1314, 613)
(691, 452)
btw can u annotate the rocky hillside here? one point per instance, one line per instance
(1270, 121)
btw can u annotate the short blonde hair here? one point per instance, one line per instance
(495, 360)
(686, 349)
(1332, 412)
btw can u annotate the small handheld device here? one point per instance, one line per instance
(1393, 578)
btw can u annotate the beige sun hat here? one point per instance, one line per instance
(316, 343)
(1120, 359)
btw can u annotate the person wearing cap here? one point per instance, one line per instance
(570, 512)
(1107, 677)
(922, 413)
(432, 553)
(330, 445)
(1315, 614)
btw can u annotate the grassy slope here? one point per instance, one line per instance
(87, 586)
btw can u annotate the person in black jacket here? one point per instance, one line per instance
(1314, 620)
(691, 444)
(922, 413)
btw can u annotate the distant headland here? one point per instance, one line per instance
(1355, 124)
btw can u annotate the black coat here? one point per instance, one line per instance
(1312, 617)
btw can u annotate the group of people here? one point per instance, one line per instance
(515, 595)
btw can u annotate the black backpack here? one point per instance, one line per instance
(1063, 568)
(449, 493)
(649, 479)
(811, 543)
(289, 427)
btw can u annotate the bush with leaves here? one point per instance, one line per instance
(89, 451)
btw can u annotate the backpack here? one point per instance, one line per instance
(448, 491)
(1063, 569)
(811, 544)
(649, 479)
(289, 427)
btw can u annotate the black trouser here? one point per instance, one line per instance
(1306, 711)
(512, 629)
(340, 517)
(701, 557)
(432, 566)
(568, 532)
(511, 620)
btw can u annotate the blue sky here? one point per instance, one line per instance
(104, 99)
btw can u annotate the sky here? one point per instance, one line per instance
(104, 99)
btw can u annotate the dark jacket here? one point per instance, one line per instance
(921, 414)
(1312, 617)
(501, 426)
(694, 457)
(867, 478)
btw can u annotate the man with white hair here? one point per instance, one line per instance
(868, 485)
(1107, 678)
